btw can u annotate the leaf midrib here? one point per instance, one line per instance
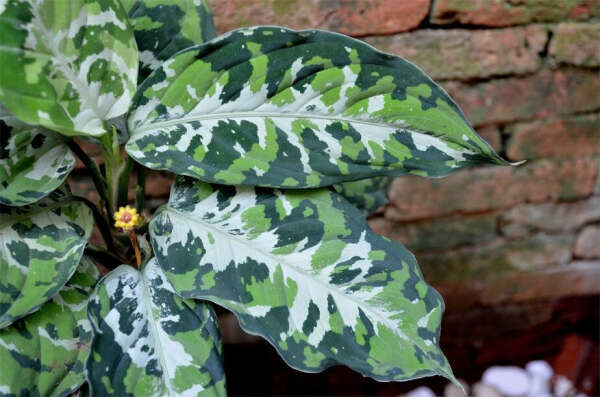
(361, 304)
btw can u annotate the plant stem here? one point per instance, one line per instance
(123, 188)
(136, 248)
(140, 189)
(97, 178)
(104, 257)
(112, 164)
(101, 222)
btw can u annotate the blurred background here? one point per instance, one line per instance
(515, 251)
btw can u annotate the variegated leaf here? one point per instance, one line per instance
(367, 195)
(40, 248)
(275, 107)
(68, 65)
(33, 163)
(44, 354)
(149, 342)
(164, 27)
(302, 269)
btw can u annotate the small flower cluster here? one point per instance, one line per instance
(127, 218)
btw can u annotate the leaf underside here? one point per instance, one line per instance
(44, 354)
(33, 163)
(303, 270)
(274, 107)
(40, 248)
(165, 27)
(78, 63)
(148, 341)
(367, 195)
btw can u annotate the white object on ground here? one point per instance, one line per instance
(451, 390)
(510, 381)
(563, 387)
(421, 392)
(483, 390)
(540, 373)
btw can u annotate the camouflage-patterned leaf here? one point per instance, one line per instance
(164, 27)
(40, 248)
(33, 163)
(149, 342)
(281, 108)
(367, 195)
(66, 65)
(302, 269)
(44, 354)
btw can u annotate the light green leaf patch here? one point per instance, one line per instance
(149, 342)
(303, 270)
(40, 248)
(33, 163)
(44, 354)
(66, 65)
(275, 107)
(164, 27)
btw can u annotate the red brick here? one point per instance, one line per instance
(352, 17)
(510, 12)
(545, 94)
(491, 134)
(577, 44)
(91, 149)
(568, 137)
(488, 188)
(587, 245)
(466, 54)
(550, 217)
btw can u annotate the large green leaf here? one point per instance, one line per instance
(149, 342)
(66, 65)
(302, 269)
(44, 354)
(368, 194)
(40, 248)
(164, 27)
(281, 108)
(33, 163)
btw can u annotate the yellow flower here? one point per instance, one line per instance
(127, 218)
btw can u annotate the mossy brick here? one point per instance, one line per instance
(577, 44)
(467, 54)
(491, 188)
(439, 233)
(564, 137)
(486, 261)
(511, 12)
(351, 17)
(526, 219)
(541, 95)
(587, 245)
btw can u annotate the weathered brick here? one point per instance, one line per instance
(567, 137)
(526, 219)
(352, 17)
(440, 234)
(488, 188)
(510, 12)
(544, 94)
(577, 44)
(465, 54)
(587, 245)
(499, 256)
(492, 135)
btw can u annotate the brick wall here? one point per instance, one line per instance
(527, 75)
